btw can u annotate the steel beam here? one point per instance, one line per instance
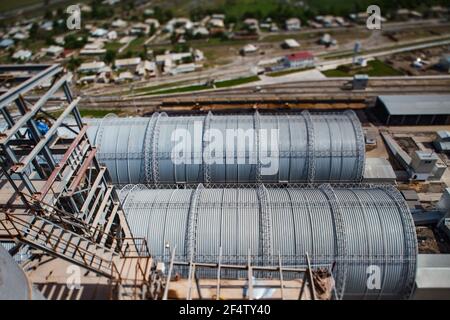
(8, 134)
(26, 86)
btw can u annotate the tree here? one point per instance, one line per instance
(73, 63)
(110, 56)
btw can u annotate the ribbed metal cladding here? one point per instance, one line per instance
(321, 147)
(352, 228)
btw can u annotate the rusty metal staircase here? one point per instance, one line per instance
(61, 201)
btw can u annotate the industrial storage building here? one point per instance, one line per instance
(414, 109)
(357, 230)
(309, 148)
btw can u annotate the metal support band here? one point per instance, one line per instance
(257, 126)
(148, 148)
(341, 240)
(191, 235)
(409, 273)
(311, 161)
(206, 160)
(266, 226)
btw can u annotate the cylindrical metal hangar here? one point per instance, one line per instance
(280, 148)
(358, 230)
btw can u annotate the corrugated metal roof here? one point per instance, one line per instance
(417, 104)
(310, 147)
(354, 228)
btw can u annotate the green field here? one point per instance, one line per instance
(196, 87)
(375, 68)
(90, 113)
(235, 82)
(285, 72)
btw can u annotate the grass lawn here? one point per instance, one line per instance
(145, 90)
(136, 46)
(285, 72)
(235, 82)
(115, 45)
(375, 68)
(196, 87)
(90, 113)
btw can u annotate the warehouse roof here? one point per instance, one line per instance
(417, 104)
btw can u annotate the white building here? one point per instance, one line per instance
(21, 36)
(293, 24)
(251, 23)
(146, 69)
(216, 23)
(303, 59)
(124, 76)
(119, 23)
(91, 67)
(22, 55)
(130, 63)
(54, 51)
(200, 31)
(249, 49)
(112, 35)
(140, 29)
(183, 68)
(290, 43)
(95, 48)
(99, 32)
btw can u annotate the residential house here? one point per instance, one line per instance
(290, 43)
(22, 55)
(95, 48)
(99, 32)
(6, 43)
(252, 24)
(274, 27)
(119, 23)
(112, 35)
(182, 68)
(219, 16)
(293, 24)
(299, 60)
(146, 69)
(91, 67)
(200, 32)
(216, 23)
(327, 40)
(21, 36)
(87, 79)
(129, 64)
(53, 51)
(124, 76)
(249, 49)
(140, 29)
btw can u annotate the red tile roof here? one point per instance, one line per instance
(302, 55)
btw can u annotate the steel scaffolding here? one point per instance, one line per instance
(56, 197)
